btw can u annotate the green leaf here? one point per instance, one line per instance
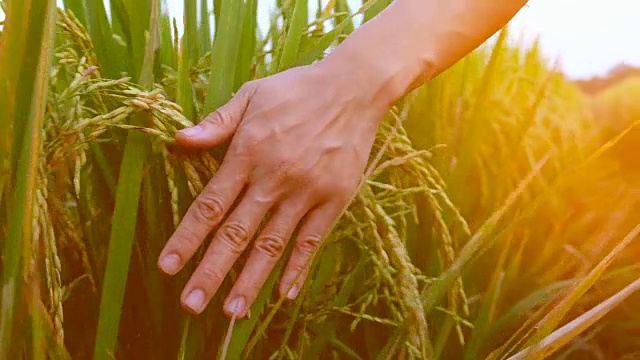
(188, 54)
(205, 27)
(329, 328)
(570, 331)
(24, 88)
(120, 245)
(226, 47)
(294, 35)
(342, 6)
(217, 6)
(319, 46)
(76, 7)
(137, 13)
(241, 341)
(375, 9)
(125, 216)
(477, 244)
(476, 119)
(166, 56)
(100, 30)
(190, 39)
(248, 44)
(555, 316)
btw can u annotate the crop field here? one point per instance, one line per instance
(499, 219)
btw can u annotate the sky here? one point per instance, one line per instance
(587, 37)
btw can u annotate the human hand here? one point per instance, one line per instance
(300, 144)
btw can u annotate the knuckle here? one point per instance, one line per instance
(234, 235)
(288, 167)
(343, 191)
(220, 117)
(271, 245)
(298, 267)
(247, 88)
(186, 239)
(210, 274)
(209, 207)
(310, 243)
(265, 198)
(332, 190)
(345, 188)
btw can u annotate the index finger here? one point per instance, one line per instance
(207, 210)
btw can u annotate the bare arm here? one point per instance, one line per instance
(293, 154)
(412, 41)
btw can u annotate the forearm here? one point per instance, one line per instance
(414, 40)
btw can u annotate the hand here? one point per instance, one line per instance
(299, 148)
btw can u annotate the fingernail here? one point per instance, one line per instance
(192, 131)
(170, 263)
(195, 300)
(236, 306)
(293, 292)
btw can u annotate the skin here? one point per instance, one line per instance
(298, 156)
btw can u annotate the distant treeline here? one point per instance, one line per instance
(596, 84)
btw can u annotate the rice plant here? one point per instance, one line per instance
(488, 226)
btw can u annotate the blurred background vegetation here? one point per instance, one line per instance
(499, 220)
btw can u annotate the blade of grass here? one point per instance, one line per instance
(248, 43)
(188, 53)
(484, 319)
(24, 90)
(183, 340)
(158, 227)
(530, 302)
(556, 315)
(120, 245)
(342, 6)
(137, 13)
(166, 48)
(375, 9)
(76, 7)
(468, 148)
(37, 330)
(124, 217)
(121, 26)
(16, 92)
(226, 47)
(565, 334)
(291, 46)
(319, 46)
(245, 328)
(433, 294)
(217, 5)
(328, 330)
(111, 62)
(205, 27)
(190, 38)
(486, 315)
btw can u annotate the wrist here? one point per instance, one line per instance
(381, 73)
(378, 84)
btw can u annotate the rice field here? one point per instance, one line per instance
(498, 219)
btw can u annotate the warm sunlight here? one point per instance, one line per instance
(588, 36)
(303, 186)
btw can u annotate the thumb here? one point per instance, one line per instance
(217, 126)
